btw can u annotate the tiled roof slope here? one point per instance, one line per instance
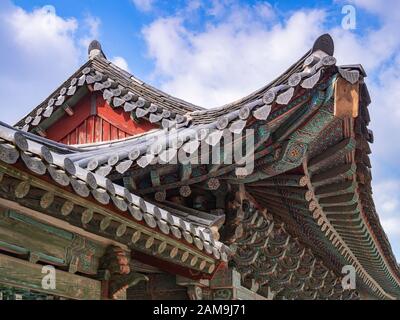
(192, 124)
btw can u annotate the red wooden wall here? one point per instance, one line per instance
(95, 121)
(94, 129)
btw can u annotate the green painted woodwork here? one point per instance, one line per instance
(13, 293)
(23, 235)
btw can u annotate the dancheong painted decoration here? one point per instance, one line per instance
(121, 191)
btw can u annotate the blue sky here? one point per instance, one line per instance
(209, 53)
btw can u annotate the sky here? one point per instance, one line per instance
(209, 53)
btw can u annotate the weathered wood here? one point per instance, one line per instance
(342, 148)
(283, 180)
(160, 196)
(46, 200)
(8, 153)
(335, 189)
(185, 191)
(345, 199)
(286, 192)
(105, 223)
(22, 189)
(341, 171)
(213, 183)
(121, 230)
(19, 273)
(346, 99)
(67, 208)
(74, 218)
(68, 109)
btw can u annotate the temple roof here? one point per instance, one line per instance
(312, 167)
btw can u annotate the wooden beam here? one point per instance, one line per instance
(58, 223)
(346, 99)
(22, 274)
(334, 152)
(341, 171)
(68, 110)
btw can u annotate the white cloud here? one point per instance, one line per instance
(143, 5)
(387, 201)
(230, 58)
(120, 62)
(385, 9)
(39, 50)
(37, 53)
(92, 25)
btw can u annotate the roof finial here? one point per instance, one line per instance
(95, 50)
(325, 44)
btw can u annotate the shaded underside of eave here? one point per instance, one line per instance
(280, 256)
(153, 94)
(368, 210)
(299, 217)
(353, 214)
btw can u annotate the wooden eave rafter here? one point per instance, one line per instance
(323, 213)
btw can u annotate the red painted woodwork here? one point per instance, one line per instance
(89, 124)
(92, 130)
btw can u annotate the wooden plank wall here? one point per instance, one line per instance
(94, 129)
(94, 120)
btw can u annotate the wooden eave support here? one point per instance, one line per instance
(41, 131)
(344, 199)
(340, 171)
(293, 193)
(342, 148)
(335, 189)
(60, 111)
(283, 181)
